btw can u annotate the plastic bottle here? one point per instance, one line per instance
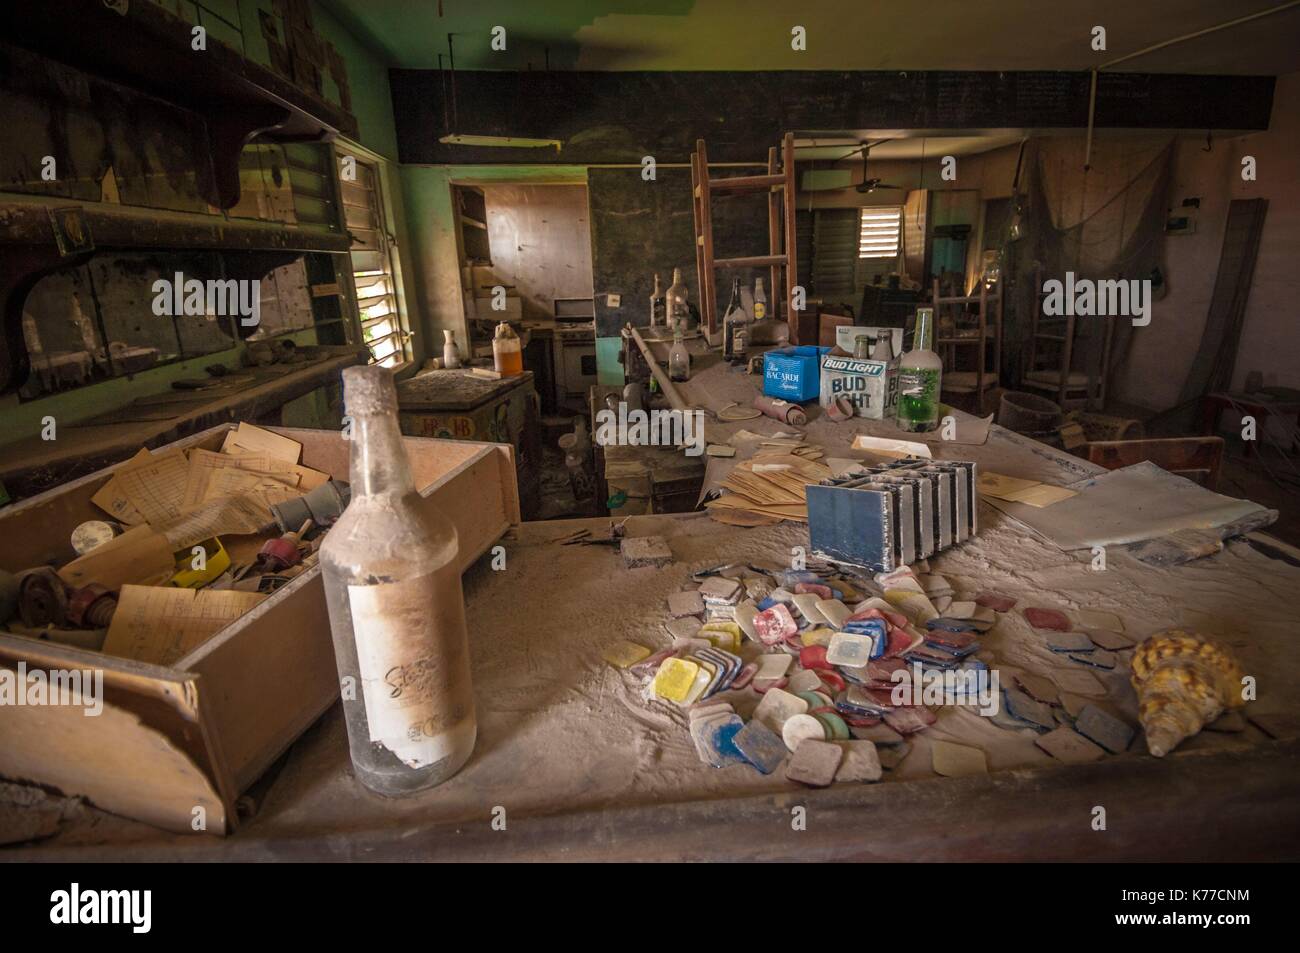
(507, 352)
(397, 614)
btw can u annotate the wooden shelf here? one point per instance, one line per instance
(146, 48)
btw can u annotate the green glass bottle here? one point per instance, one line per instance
(920, 373)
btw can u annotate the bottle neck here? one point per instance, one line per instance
(923, 338)
(378, 462)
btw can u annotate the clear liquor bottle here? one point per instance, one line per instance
(397, 613)
(729, 320)
(920, 373)
(679, 311)
(679, 359)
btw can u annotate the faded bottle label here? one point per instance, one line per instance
(414, 667)
(918, 398)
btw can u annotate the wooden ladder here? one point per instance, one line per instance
(1070, 388)
(779, 185)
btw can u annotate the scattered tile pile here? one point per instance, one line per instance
(812, 660)
(815, 670)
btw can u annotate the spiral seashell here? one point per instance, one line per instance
(1183, 681)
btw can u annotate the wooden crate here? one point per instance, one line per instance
(195, 735)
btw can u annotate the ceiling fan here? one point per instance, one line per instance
(867, 184)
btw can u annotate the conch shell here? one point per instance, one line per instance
(1183, 681)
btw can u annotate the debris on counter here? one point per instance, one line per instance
(641, 551)
(1111, 641)
(1184, 681)
(995, 601)
(814, 763)
(957, 761)
(624, 654)
(1047, 619)
(1105, 729)
(160, 574)
(1067, 745)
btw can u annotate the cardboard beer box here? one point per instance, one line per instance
(846, 337)
(871, 386)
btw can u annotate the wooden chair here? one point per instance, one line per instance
(1197, 458)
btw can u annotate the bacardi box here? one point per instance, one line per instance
(869, 385)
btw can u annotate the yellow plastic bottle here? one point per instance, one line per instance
(507, 352)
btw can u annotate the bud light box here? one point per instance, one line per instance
(869, 385)
(792, 373)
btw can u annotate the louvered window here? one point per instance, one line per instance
(878, 230)
(382, 325)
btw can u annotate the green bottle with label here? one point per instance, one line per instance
(920, 373)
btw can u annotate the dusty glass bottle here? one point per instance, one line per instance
(920, 373)
(679, 359)
(679, 310)
(397, 613)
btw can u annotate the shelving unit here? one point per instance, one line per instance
(983, 378)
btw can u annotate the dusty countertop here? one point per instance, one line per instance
(581, 766)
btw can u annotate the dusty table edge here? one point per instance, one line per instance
(1192, 806)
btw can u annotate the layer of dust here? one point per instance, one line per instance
(560, 729)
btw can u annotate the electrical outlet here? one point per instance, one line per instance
(613, 301)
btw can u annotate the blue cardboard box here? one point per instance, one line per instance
(793, 373)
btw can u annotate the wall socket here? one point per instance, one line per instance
(613, 301)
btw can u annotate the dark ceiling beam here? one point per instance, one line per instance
(618, 117)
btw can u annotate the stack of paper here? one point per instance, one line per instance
(767, 488)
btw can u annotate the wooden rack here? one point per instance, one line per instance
(779, 185)
(1070, 388)
(983, 378)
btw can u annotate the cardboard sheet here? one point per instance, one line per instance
(140, 555)
(162, 624)
(1126, 506)
(1015, 490)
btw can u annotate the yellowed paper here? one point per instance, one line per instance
(242, 514)
(162, 624)
(271, 487)
(1000, 486)
(247, 438)
(156, 486)
(205, 463)
(1042, 495)
(894, 449)
(114, 502)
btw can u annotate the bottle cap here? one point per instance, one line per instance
(369, 390)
